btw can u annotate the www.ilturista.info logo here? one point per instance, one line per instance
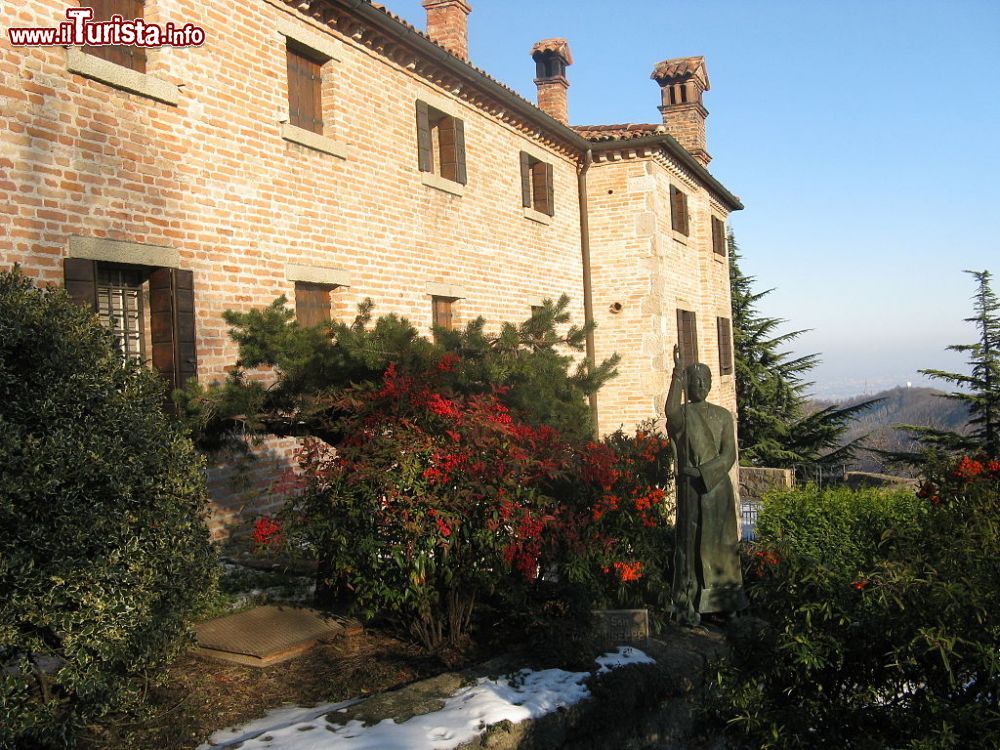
(80, 30)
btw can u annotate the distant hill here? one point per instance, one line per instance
(916, 406)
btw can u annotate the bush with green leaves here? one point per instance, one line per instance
(879, 618)
(104, 553)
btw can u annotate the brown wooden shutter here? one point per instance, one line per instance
(461, 173)
(687, 337)
(718, 237)
(312, 303)
(305, 92)
(525, 180)
(80, 276)
(550, 190)
(172, 324)
(127, 55)
(425, 150)
(441, 312)
(678, 211)
(725, 346)
(452, 134)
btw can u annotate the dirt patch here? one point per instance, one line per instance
(201, 696)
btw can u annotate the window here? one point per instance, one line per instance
(312, 303)
(118, 295)
(441, 312)
(687, 337)
(536, 185)
(718, 236)
(725, 346)
(678, 211)
(441, 144)
(129, 56)
(305, 89)
(120, 308)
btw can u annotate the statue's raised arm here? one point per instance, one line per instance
(673, 406)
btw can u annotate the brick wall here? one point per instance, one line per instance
(212, 180)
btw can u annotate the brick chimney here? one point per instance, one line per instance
(682, 82)
(448, 25)
(551, 57)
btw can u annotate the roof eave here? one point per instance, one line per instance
(525, 108)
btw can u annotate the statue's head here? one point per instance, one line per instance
(699, 381)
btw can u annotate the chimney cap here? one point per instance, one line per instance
(556, 45)
(681, 67)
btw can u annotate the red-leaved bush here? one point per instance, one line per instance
(436, 497)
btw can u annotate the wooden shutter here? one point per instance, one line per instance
(687, 337)
(541, 187)
(725, 346)
(678, 210)
(461, 173)
(550, 191)
(127, 55)
(305, 92)
(312, 303)
(425, 150)
(441, 312)
(718, 237)
(525, 180)
(452, 134)
(172, 324)
(80, 276)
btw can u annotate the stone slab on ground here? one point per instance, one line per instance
(267, 635)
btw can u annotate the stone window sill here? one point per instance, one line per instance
(681, 238)
(120, 77)
(541, 218)
(313, 140)
(443, 184)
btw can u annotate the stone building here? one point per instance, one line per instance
(329, 151)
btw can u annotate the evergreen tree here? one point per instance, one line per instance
(980, 390)
(775, 427)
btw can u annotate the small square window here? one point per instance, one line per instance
(441, 143)
(537, 190)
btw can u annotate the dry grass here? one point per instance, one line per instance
(200, 696)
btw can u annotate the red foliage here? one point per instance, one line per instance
(266, 532)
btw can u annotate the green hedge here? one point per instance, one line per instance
(104, 553)
(875, 620)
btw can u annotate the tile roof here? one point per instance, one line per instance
(680, 66)
(618, 132)
(557, 45)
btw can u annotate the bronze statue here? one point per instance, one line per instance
(707, 577)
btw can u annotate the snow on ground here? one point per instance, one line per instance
(466, 714)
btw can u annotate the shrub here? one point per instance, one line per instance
(880, 618)
(436, 497)
(104, 551)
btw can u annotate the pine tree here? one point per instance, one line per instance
(980, 390)
(774, 427)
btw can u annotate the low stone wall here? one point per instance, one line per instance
(755, 481)
(858, 479)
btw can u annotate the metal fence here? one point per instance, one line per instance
(748, 512)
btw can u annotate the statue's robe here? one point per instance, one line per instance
(707, 576)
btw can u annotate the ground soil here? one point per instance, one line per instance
(200, 696)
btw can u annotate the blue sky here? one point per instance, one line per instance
(863, 138)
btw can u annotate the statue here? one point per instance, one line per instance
(707, 577)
